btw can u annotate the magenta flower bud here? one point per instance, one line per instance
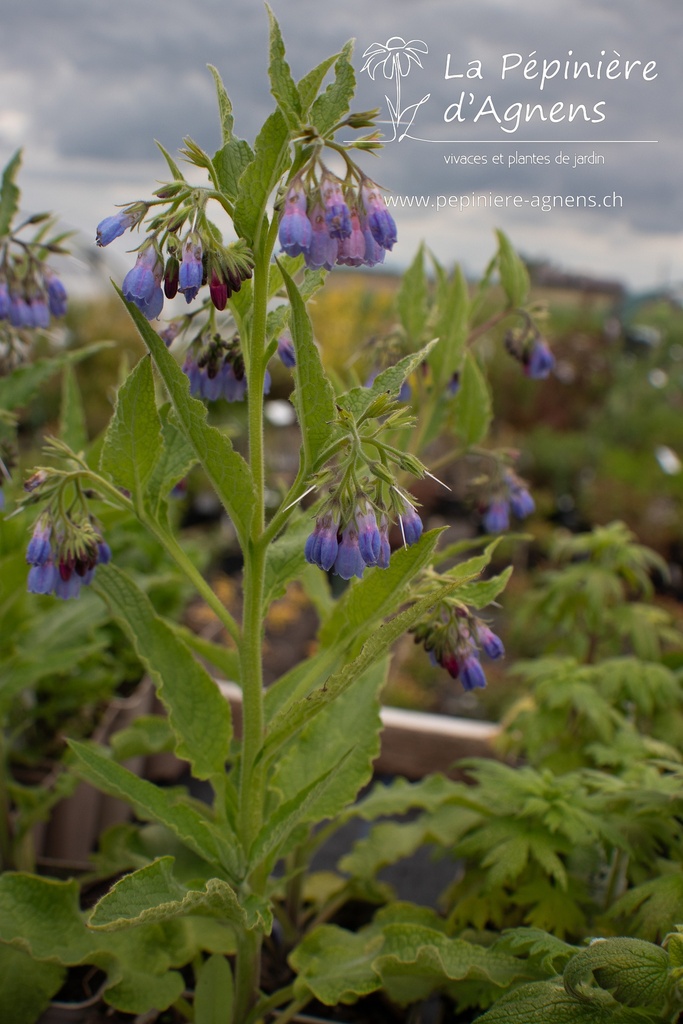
(171, 277)
(218, 290)
(449, 661)
(380, 221)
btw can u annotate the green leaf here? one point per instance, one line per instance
(310, 83)
(9, 194)
(214, 993)
(473, 411)
(478, 595)
(285, 560)
(221, 657)
(357, 400)
(350, 726)
(226, 469)
(451, 328)
(133, 442)
(652, 908)
(271, 153)
(541, 1002)
(416, 960)
(149, 734)
(514, 276)
(174, 463)
(281, 82)
(336, 965)
(333, 105)
(378, 594)
(313, 395)
(270, 843)
(230, 162)
(293, 716)
(72, 427)
(172, 165)
(634, 972)
(198, 714)
(152, 894)
(412, 298)
(224, 104)
(154, 804)
(26, 986)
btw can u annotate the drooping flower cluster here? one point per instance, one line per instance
(510, 496)
(192, 261)
(63, 556)
(349, 543)
(216, 370)
(526, 345)
(333, 222)
(454, 638)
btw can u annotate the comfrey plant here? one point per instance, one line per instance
(199, 883)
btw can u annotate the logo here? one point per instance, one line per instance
(396, 57)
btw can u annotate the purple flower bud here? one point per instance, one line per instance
(194, 374)
(384, 546)
(521, 502)
(67, 588)
(538, 360)
(369, 540)
(42, 578)
(349, 561)
(285, 350)
(322, 251)
(191, 268)
(103, 553)
(267, 382)
(471, 673)
(111, 227)
(295, 231)
(4, 300)
(337, 215)
(490, 642)
(56, 294)
(380, 221)
(39, 551)
(411, 524)
(496, 519)
(233, 389)
(20, 313)
(40, 314)
(351, 250)
(322, 545)
(374, 253)
(142, 284)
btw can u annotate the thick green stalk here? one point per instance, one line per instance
(252, 780)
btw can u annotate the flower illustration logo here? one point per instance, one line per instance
(395, 58)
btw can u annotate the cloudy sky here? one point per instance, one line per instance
(87, 85)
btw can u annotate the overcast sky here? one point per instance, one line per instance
(86, 85)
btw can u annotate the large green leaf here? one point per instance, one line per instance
(412, 298)
(155, 804)
(350, 726)
(285, 559)
(634, 972)
(514, 276)
(333, 105)
(133, 442)
(310, 84)
(313, 396)
(213, 994)
(153, 894)
(472, 403)
(541, 1002)
(389, 381)
(451, 328)
(26, 986)
(199, 716)
(336, 965)
(230, 162)
(226, 469)
(174, 463)
(281, 82)
(261, 176)
(9, 194)
(224, 104)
